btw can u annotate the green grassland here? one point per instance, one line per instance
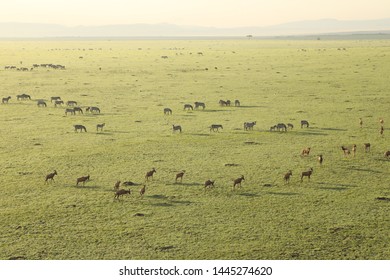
(329, 83)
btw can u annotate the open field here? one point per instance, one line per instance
(335, 215)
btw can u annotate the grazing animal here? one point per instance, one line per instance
(58, 102)
(305, 152)
(71, 103)
(78, 109)
(101, 126)
(200, 104)
(306, 174)
(290, 125)
(167, 111)
(120, 193)
(188, 107)
(208, 184)
(272, 128)
(129, 183)
(117, 185)
(387, 154)
(93, 110)
(23, 96)
(360, 122)
(180, 175)
(69, 110)
(304, 123)
(82, 180)
(237, 103)
(345, 150)
(142, 191)
(224, 103)
(249, 125)
(287, 176)
(176, 128)
(41, 103)
(150, 174)
(281, 126)
(320, 159)
(54, 98)
(237, 182)
(6, 99)
(367, 147)
(215, 127)
(50, 176)
(80, 127)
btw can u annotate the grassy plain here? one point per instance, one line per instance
(330, 83)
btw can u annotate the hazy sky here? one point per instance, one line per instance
(218, 13)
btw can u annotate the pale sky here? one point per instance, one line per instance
(217, 13)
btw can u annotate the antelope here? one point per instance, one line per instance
(367, 147)
(236, 103)
(117, 185)
(249, 125)
(50, 176)
(100, 125)
(215, 127)
(176, 127)
(237, 182)
(305, 152)
(167, 111)
(150, 174)
(208, 184)
(142, 191)
(93, 110)
(345, 150)
(188, 107)
(82, 180)
(306, 174)
(387, 154)
(79, 127)
(6, 99)
(41, 103)
(120, 193)
(320, 159)
(287, 176)
(354, 149)
(69, 110)
(381, 130)
(304, 123)
(200, 104)
(180, 175)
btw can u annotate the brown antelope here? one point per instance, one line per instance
(120, 193)
(305, 152)
(367, 147)
(150, 174)
(208, 184)
(287, 176)
(117, 185)
(180, 175)
(307, 174)
(82, 180)
(387, 154)
(6, 99)
(100, 125)
(51, 176)
(237, 182)
(320, 159)
(381, 130)
(345, 150)
(142, 191)
(354, 149)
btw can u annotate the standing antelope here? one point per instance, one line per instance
(307, 174)
(120, 193)
(345, 150)
(142, 191)
(237, 182)
(367, 147)
(287, 176)
(354, 149)
(117, 185)
(180, 175)
(150, 174)
(82, 180)
(51, 176)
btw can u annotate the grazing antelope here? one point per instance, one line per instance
(142, 191)
(50, 176)
(307, 174)
(320, 159)
(6, 99)
(188, 107)
(215, 127)
(237, 103)
(100, 125)
(58, 102)
(345, 150)
(150, 174)
(41, 103)
(80, 127)
(167, 111)
(354, 149)
(387, 154)
(304, 123)
(249, 125)
(287, 176)
(360, 122)
(71, 103)
(117, 185)
(54, 98)
(93, 110)
(176, 127)
(120, 193)
(69, 110)
(82, 180)
(200, 104)
(305, 152)
(367, 147)
(78, 109)
(208, 184)
(237, 182)
(180, 175)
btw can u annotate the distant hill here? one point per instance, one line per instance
(39, 30)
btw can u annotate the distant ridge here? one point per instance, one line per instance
(309, 27)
